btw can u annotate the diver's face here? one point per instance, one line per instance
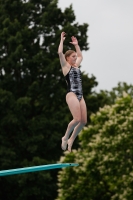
(72, 58)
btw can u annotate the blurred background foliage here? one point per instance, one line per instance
(105, 157)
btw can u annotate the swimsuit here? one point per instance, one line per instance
(74, 82)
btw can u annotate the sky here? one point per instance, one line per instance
(110, 38)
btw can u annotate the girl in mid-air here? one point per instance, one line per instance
(70, 62)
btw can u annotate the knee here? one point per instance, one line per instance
(77, 120)
(83, 122)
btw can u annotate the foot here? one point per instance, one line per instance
(64, 144)
(70, 143)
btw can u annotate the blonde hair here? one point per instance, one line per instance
(68, 53)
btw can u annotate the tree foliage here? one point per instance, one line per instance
(105, 157)
(117, 92)
(95, 100)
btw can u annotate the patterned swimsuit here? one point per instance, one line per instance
(74, 82)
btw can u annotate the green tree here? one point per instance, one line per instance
(34, 114)
(117, 92)
(105, 157)
(96, 100)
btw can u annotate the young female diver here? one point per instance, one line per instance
(70, 63)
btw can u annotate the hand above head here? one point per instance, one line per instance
(63, 36)
(74, 41)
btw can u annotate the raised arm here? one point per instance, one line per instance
(78, 51)
(60, 50)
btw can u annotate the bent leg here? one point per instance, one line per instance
(74, 107)
(80, 125)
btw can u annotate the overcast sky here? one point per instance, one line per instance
(110, 37)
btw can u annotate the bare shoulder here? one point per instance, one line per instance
(78, 61)
(66, 69)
